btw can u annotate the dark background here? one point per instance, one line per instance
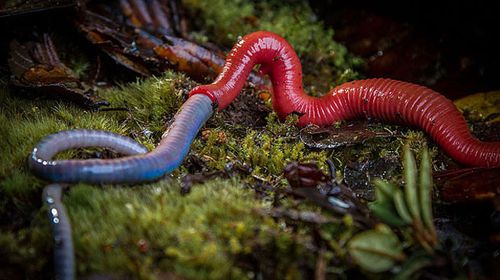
(450, 46)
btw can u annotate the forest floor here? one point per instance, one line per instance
(232, 210)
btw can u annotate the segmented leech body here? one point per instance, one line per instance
(383, 99)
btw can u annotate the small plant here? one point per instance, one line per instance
(409, 209)
(411, 205)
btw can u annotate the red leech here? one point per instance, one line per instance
(383, 99)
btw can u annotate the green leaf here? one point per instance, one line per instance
(384, 191)
(480, 105)
(412, 266)
(385, 211)
(425, 189)
(376, 250)
(401, 207)
(410, 177)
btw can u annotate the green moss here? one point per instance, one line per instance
(27, 121)
(151, 229)
(324, 61)
(151, 102)
(267, 150)
(225, 19)
(154, 228)
(148, 230)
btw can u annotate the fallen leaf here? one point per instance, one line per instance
(376, 250)
(333, 137)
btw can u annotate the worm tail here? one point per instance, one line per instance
(64, 257)
(406, 103)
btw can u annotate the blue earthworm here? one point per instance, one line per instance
(139, 166)
(64, 257)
